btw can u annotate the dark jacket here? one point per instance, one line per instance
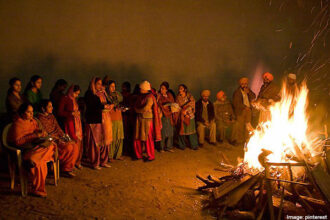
(199, 111)
(270, 91)
(238, 100)
(94, 108)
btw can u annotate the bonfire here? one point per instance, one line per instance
(284, 164)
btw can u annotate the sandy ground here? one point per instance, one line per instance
(162, 189)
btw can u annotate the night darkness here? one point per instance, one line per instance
(205, 44)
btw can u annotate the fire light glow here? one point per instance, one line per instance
(284, 132)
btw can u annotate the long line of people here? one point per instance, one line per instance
(103, 125)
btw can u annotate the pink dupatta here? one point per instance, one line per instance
(77, 119)
(106, 117)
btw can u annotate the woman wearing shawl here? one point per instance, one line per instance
(32, 92)
(164, 100)
(55, 96)
(68, 151)
(186, 120)
(69, 114)
(148, 124)
(98, 125)
(116, 147)
(25, 134)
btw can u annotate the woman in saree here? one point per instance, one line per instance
(26, 134)
(186, 119)
(116, 147)
(69, 115)
(98, 125)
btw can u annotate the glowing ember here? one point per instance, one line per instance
(285, 131)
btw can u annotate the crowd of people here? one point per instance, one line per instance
(105, 124)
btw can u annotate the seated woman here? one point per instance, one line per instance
(32, 92)
(26, 135)
(69, 115)
(186, 121)
(14, 98)
(67, 150)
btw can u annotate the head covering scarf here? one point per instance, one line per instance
(145, 85)
(268, 76)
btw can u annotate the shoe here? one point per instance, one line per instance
(79, 167)
(68, 174)
(149, 160)
(39, 194)
(170, 150)
(111, 160)
(105, 165)
(97, 168)
(162, 151)
(121, 158)
(213, 143)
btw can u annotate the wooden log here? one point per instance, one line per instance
(228, 186)
(321, 181)
(240, 215)
(209, 183)
(288, 181)
(237, 193)
(313, 202)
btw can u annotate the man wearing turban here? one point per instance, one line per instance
(224, 115)
(291, 84)
(205, 118)
(242, 98)
(268, 94)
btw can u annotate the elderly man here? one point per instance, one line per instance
(242, 98)
(291, 84)
(268, 94)
(148, 124)
(224, 115)
(205, 118)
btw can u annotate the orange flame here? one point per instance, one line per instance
(285, 131)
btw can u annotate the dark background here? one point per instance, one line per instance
(202, 43)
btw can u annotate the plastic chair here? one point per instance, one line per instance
(22, 173)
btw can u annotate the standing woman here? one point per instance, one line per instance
(14, 98)
(98, 125)
(186, 121)
(165, 99)
(33, 93)
(58, 91)
(116, 147)
(69, 114)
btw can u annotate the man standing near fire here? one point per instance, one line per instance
(242, 98)
(268, 94)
